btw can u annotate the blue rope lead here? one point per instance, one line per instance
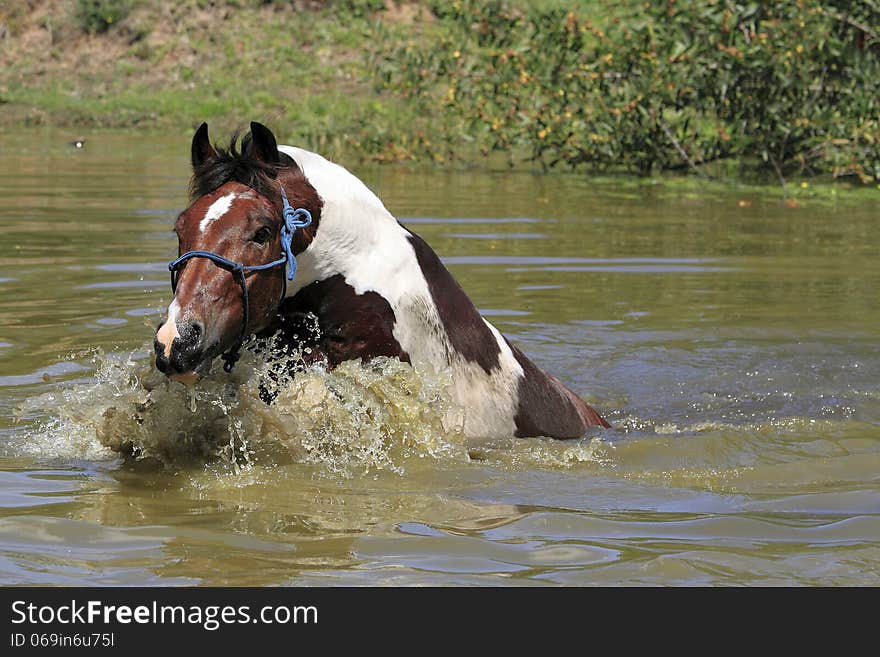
(293, 219)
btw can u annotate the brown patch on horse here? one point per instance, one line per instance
(464, 325)
(351, 325)
(548, 408)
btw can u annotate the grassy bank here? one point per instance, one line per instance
(778, 89)
(171, 64)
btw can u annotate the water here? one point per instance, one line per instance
(733, 342)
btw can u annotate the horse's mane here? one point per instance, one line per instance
(233, 165)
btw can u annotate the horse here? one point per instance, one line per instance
(274, 234)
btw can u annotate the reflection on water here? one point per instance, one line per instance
(734, 349)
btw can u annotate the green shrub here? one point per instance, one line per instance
(96, 16)
(790, 86)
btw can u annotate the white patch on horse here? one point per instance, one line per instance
(218, 209)
(168, 331)
(361, 240)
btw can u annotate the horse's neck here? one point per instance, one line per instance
(357, 236)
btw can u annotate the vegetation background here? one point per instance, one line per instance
(708, 87)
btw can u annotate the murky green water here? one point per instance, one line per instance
(735, 349)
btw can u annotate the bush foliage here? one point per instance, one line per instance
(95, 16)
(790, 86)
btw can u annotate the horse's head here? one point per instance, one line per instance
(230, 276)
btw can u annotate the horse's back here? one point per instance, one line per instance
(539, 404)
(428, 315)
(546, 407)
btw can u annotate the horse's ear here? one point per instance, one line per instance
(263, 146)
(202, 151)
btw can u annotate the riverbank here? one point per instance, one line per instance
(706, 89)
(173, 64)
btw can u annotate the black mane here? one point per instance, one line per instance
(232, 165)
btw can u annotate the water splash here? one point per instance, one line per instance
(357, 418)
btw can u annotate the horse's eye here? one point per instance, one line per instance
(262, 236)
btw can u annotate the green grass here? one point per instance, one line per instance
(302, 72)
(308, 74)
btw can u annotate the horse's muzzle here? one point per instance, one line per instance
(187, 359)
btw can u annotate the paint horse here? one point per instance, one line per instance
(299, 236)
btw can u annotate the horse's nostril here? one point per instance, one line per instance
(161, 361)
(192, 332)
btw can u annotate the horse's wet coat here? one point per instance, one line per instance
(351, 325)
(377, 289)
